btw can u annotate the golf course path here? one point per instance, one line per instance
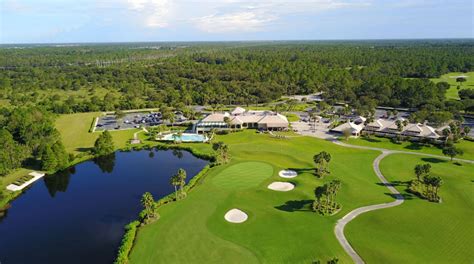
(341, 223)
(337, 142)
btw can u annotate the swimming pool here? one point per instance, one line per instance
(186, 137)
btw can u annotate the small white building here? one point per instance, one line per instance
(352, 127)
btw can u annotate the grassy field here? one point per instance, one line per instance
(419, 231)
(74, 129)
(281, 226)
(381, 142)
(452, 93)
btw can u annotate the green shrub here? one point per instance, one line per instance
(127, 243)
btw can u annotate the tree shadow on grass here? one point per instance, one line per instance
(414, 146)
(405, 195)
(84, 150)
(434, 160)
(293, 206)
(372, 140)
(394, 183)
(32, 164)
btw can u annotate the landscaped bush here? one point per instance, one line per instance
(425, 190)
(196, 153)
(127, 243)
(223, 132)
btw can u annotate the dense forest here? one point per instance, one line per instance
(67, 79)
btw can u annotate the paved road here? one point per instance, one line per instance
(341, 223)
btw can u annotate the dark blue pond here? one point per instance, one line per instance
(78, 215)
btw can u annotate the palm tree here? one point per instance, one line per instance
(436, 182)
(228, 122)
(322, 160)
(418, 171)
(175, 181)
(149, 206)
(399, 125)
(182, 180)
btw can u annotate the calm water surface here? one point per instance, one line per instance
(78, 215)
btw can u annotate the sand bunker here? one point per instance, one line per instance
(288, 173)
(281, 186)
(235, 216)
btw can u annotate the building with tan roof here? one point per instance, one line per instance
(389, 128)
(240, 118)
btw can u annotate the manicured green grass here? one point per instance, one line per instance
(419, 231)
(281, 227)
(243, 175)
(452, 92)
(74, 129)
(381, 142)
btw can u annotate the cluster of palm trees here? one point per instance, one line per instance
(179, 180)
(426, 185)
(322, 163)
(325, 202)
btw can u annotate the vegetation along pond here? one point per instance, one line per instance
(78, 215)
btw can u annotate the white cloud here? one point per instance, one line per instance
(237, 21)
(251, 16)
(152, 13)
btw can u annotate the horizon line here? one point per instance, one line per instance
(230, 41)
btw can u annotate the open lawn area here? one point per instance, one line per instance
(419, 231)
(281, 227)
(74, 129)
(452, 93)
(386, 143)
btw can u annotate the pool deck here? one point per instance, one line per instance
(36, 176)
(168, 137)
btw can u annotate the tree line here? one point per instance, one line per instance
(28, 137)
(360, 73)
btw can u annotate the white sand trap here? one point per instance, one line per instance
(281, 186)
(235, 216)
(288, 174)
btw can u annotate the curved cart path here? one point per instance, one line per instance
(337, 142)
(341, 223)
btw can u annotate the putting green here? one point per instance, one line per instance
(243, 175)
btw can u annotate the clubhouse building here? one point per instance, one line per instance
(240, 118)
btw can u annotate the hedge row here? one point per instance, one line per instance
(127, 242)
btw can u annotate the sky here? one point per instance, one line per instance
(73, 21)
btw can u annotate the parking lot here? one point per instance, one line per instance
(134, 120)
